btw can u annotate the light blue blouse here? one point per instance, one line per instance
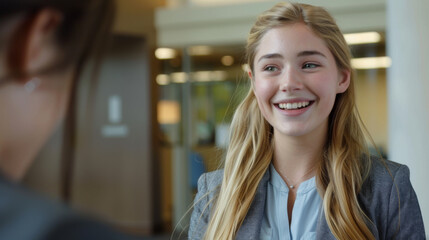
(275, 224)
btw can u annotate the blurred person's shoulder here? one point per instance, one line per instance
(27, 215)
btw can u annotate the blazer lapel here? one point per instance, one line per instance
(323, 232)
(251, 227)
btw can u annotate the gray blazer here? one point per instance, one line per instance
(378, 199)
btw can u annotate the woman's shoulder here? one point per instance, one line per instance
(380, 182)
(386, 179)
(209, 184)
(383, 169)
(211, 180)
(208, 187)
(386, 195)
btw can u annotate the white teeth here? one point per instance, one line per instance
(291, 106)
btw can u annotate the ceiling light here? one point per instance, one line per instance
(371, 62)
(227, 60)
(201, 76)
(218, 75)
(162, 79)
(362, 38)
(165, 53)
(209, 76)
(199, 50)
(168, 112)
(179, 77)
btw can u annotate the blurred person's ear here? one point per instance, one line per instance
(33, 45)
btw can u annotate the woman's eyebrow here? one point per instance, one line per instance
(270, 56)
(300, 54)
(310, 52)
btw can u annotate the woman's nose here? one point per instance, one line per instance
(290, 80)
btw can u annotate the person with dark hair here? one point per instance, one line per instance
(44, 45)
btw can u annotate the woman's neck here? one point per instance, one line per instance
(295, 157)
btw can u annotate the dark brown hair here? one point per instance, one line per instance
(85, 24)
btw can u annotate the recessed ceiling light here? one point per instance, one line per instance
(362, 38)
(199, 50)
(227, 60)
(165, 53)
(371, 62)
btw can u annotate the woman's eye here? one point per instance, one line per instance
(270, 68)
(309, 65)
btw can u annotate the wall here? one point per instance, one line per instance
(114, 169)
(371, 100)
(408, 87)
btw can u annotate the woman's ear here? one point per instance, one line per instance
(32, 45)
(343, 80)
(249, 72)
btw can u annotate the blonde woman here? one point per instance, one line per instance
(297, 165)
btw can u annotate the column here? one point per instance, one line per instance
(408, 92)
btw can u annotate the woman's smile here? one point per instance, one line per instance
(294, 107)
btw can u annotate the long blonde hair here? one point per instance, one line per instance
(250, 152)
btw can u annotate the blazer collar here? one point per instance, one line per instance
(251, 227)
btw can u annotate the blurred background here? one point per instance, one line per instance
(171, 79)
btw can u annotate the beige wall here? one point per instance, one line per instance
(114, 174)
(371, 97)
(136, 17)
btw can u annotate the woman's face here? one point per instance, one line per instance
(296, 80)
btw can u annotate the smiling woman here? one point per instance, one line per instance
(297, 166)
